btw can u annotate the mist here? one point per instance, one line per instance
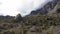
(24, 7)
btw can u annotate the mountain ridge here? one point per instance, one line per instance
(46, 8)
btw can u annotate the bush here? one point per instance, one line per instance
(9, 32)
(58, 10)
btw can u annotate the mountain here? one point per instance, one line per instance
(46, 8)
(39, 23)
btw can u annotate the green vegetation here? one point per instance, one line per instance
(42, 22)
(58, 8)
(29, 24)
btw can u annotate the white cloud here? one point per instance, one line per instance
(30, 5)
(9, 7)
(13, 7)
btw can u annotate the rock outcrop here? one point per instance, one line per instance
(46, 8)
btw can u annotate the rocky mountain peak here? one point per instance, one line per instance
(46, 8)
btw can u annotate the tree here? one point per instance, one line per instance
(18, 18)
(58, 10)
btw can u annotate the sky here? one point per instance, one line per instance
(24, 7)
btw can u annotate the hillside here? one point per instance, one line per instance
(47, 8)
(35, 23)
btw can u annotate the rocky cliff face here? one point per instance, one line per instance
(46, 8)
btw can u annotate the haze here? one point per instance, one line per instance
(24, 7)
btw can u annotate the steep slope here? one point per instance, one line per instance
(47, 8)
